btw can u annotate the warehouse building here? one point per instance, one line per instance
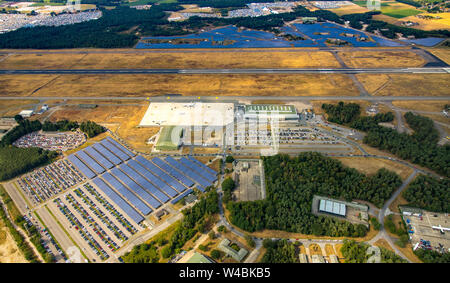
(26, 113)
(269, 111)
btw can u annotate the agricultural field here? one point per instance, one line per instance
(399, 10)
(176, 60)
(431, 24)
(405, 84)
(381, 59)
(357, 7)
(190, 85)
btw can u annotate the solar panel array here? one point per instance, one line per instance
(97, 156)
(163, 165)
(133, 214)
(199, 170)
(80, 165)
(137, 185)
(134, 200)
(160, 173)
(139, 178)
(187, 171)
(134, 187)
(108, 154)
(90, 162)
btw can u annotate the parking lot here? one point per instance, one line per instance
(428, 230)
(52, 141)
(93, 222)
(50, 180)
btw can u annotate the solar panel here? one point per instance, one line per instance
(80, 165)
(134, 187)
(175, 200)
(90, 162)
(133, 214)
(202, 165)
(201, 189)
(183, 179)
(187, 171)
(121, 147)
(189, 163)
(134, 200)
(161, 174)
(98, 157)
(113, 149)
(108, 154)
(146, 184)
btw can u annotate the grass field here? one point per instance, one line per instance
(190, 85)
(398, 10)
(405, 84)
(371, 165)
(14, 105)
(381, 59)
(351, 9)
(177, 60)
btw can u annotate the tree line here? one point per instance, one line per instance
(419, 148)
(291, 185)
(355, 252)
(429, 193)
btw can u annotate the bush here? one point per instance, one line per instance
(216, 254)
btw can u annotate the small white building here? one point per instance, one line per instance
(26, 113)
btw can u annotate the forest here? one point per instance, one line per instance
(291, 185)
(279, 251)
(430, 256)
(419, 148)
(355, 252)
(15, 161)
(429, 193)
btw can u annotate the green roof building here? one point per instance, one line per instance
(199, 258)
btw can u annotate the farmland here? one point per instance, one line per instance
(361, 59)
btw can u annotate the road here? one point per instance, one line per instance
(423, 70)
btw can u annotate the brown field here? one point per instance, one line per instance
(370, 166)
(349, 9)
(431, 106)
(9, 252)
(405, 84)
(181, 60)
(190, 85)
(207, 150)
(385, 18)
(337, 248)
(441, 53)
(122, 120)
(382, 59)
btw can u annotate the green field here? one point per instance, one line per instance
(401, 13)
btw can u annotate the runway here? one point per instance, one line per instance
(424, 70)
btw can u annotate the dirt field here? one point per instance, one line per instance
(382, 59)
(9, 253)
(191, 85)
(181, 60)
(12, 107)
(405, 84)
(315, 249)
(372, 165)
(383, 244)
(122, 120)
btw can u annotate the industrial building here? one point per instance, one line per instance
(269, 111)
(26, 113)
(332, 207)
(350, 211)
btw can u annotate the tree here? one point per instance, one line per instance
(212, 235)
(249, 240)
(229, 159)
(216, 254)
(166, 251)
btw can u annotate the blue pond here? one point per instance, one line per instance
(229, 37)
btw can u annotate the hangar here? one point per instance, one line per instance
(269, 111)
